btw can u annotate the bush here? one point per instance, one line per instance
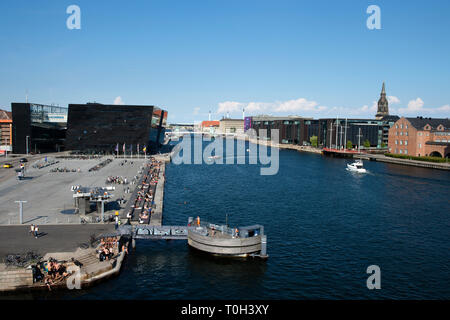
(313, 141)
(349, 144)
(405, 156)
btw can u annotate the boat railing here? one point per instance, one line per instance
(241, 232)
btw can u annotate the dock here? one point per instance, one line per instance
(407, 162)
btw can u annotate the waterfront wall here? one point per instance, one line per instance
(156, 216)
(15, 279)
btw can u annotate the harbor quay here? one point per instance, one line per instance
(76, 248)
(85, 250)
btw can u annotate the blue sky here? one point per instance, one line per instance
(308, 58)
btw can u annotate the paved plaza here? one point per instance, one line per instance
(49, 196)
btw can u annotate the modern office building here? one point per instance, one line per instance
(101, 128)
(38, 128)
(420, 137)
(291, 129)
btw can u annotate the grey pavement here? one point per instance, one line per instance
(52, 238)
(49, 196)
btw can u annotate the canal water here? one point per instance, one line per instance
(325, 226)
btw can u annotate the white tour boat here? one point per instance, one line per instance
(356, 166)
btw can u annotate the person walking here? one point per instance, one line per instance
(31, 229)
(36, 230)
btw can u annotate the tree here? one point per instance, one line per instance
(383, 145)
(313, 141)
(367, 143)
(349, 144)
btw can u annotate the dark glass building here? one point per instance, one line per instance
(38, 128)
(108, 129)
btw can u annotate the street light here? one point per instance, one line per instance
(26, 140)
(21, 202)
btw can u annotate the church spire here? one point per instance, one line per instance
(383, 105)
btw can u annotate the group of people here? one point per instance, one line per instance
(34, 230)
(108, 248)
(117, 180)
(144, 199)
(50, 272)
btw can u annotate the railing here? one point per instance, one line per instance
(242, 232)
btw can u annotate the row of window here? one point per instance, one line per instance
(402, 142)
(401, 133)
(401, 151)
(442, 133)
(401, 126)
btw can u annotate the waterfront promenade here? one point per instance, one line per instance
(52, 238)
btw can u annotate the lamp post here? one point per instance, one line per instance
(26, 141)
(21, 202)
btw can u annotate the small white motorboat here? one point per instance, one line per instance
(356, 166)
(214, 157)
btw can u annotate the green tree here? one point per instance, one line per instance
(383, 145)
(349, 144)
(367, 143)
(313, 141)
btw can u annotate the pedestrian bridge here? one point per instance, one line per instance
(154, 232)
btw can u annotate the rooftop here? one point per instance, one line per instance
(420, 122)
(5, 115)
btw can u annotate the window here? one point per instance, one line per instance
(406, 126)
(406, 133)
(406, 151)
(401, 151)
(396, 141)
(401, 142)
(396, 126)
(401, 126)
(401, 133)
(406, 142)
(420, 145)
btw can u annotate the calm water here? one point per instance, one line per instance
(325, 226)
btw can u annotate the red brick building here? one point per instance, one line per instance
(420, 137)
(5, 129)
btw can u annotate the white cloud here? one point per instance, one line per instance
(414, 106)
(230, 106)
(445, 108)
(297, 105)
(196, 110)
(118, 100)
(393, 100)
(289, 106)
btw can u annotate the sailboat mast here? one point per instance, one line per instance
(345, 135)
(359, 141)
(337, 131)
(331, 132)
